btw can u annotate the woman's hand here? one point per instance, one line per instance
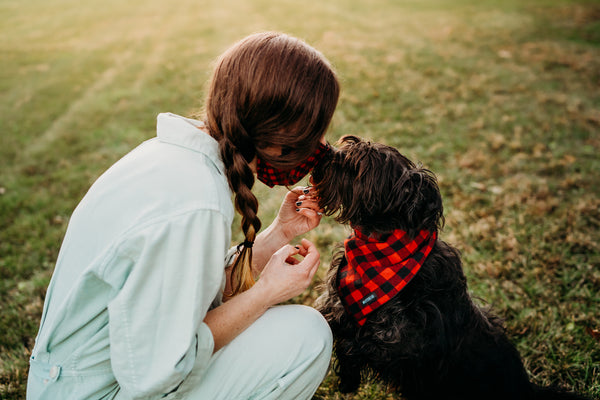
(288, 224)
(299, 213)
(284, 276)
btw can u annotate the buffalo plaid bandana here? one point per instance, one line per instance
(271, 176)
(375, 270)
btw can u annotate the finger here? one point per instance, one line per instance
(311, 194)
(314, 269)
(311, 205)
(294, 193)
(313, 216)
(310, 202)
(312, 254)
(308, 191)
(286, 251)
(302, 251)
(312, 250)
(308, 245)
(300, 190)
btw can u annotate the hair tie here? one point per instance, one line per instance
(246, 244)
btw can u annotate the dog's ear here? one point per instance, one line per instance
(421, 201)
(335, 177)
(330, 181)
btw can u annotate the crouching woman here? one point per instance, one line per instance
(146, 301)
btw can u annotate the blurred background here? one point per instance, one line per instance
(500, 99)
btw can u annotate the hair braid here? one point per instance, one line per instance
(241, 180)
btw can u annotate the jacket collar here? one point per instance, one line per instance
(186, 132)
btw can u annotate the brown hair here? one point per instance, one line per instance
(269, 89)
(373, 187)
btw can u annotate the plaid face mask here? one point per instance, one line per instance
(271, 176)
(375, 270)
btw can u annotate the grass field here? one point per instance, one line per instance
(500, 99)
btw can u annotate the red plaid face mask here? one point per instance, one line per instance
(271, 176)
(374, 270)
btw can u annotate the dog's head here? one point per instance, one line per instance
(373, 187)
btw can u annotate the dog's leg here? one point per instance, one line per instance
(349, 372)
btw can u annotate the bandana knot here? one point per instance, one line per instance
(375, 270)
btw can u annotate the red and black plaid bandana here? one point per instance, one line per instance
(271, 176)
(375, 270)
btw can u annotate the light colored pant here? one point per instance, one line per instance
(284, 355)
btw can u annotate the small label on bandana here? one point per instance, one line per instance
(369, 299)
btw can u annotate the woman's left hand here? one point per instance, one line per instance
(299, 212)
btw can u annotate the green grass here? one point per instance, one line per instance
(500, 99)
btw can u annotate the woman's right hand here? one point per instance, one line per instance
(284, 276)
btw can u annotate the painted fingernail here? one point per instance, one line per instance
(297, 247)
(306, 190)
(297, 209)
(298, 203)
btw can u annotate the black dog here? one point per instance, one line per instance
(429, 340)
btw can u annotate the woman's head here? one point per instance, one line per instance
(268, 92)
(375, 188)
(272, 90)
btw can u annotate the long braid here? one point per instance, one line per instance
(241, 180)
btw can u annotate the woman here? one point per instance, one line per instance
(145, 301)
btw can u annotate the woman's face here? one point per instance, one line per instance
(271, 175)
(279, 151)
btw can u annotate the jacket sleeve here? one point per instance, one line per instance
(175, 268)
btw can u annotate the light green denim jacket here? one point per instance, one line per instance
(141, 262)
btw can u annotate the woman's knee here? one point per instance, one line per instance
(303, 324)
(285, 353)
(308, 345)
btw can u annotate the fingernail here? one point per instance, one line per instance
(306, 190)
(297, 247)
(298, 203)
(297, 209)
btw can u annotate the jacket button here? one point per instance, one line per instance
(54, 372)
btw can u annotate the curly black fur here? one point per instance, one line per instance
(431, 341)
